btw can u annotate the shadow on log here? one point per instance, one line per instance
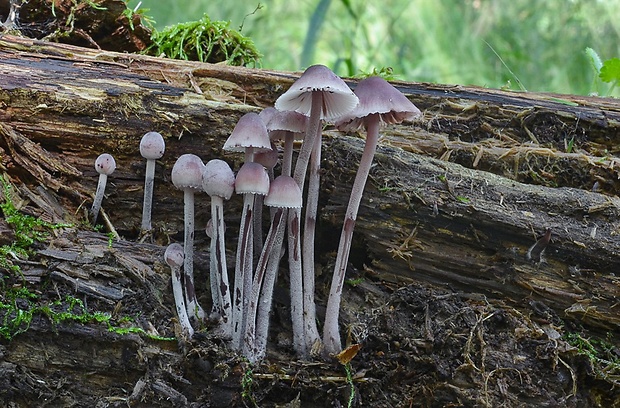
(455, 201)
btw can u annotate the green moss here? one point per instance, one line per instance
(18, 306)
(206, 41)
(26, 229)
(603, 354)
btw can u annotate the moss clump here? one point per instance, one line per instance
(18, 306)
(206, 41)
(26, 228)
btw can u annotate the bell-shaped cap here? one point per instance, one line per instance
(218, 179)
(105, 164)
(250, 132)
(378, 96)
(338, 99)
(187, 172)
(284, 192)
(252, 178)
(152, 146)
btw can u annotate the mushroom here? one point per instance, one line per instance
(174, 258)
(284, 193)
(251, 179)
(379, 103)
(218, 181)
(187, 176)
(288, 126)
(152, 147)
(249, 136)
(321, 94)
(105, 165)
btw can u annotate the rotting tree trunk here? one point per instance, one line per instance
(455, 199)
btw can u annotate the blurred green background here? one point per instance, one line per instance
(538, 45)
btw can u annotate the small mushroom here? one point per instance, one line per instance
(379, 103)
(218, 181)
(105, 165)
(152, 147)
(252, 179)
(284, 194)
(174, 258)
(187, 176)
(249, 136)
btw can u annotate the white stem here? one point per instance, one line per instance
(218, 252)
(179, 301)
(103, 178)
(296, 281)
(314, 124)
(266, 295)
(250, 349)
(193, 308)
(148, 195)
(243, 272)
(312, 202)
(287, 155)
(331, 335)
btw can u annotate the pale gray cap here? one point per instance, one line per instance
(174, 255)
(218, 179)
(250, 131)
(338, 99)
(152, 146)
(187, 172)
(378, 96)
(105, 164)
(252, 178)
(284, 192)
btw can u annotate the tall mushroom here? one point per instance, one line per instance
(252, 179)
(174, 258)
(283, 194)
(187, 176)
(218, 181)
(288, 126)
(379, 103)
(321, 94)
(105, 165)
(152, 147)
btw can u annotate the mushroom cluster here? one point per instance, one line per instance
(241, 304)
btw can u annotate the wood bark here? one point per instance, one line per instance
(456, 198)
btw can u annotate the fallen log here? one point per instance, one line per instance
(457, 199)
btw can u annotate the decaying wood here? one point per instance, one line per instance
(456, 198)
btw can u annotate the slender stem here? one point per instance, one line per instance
(287, 159)
(312, 201)
(194, 310)
(296, 281)
(243, 272)
(266, 295)
(331, 336)
(218, 253)
(148, 195)
(103, 178)
(314, 124)
(179, 301)
(250, 349)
